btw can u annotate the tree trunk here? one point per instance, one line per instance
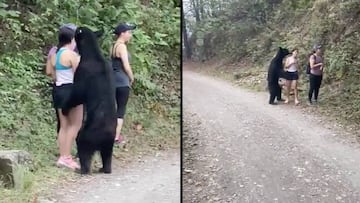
(185, 37)
(202, 11)
(195, 4)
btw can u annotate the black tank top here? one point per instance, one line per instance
(121, 78)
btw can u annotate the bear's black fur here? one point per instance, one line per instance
(94, 87)
(274, 72)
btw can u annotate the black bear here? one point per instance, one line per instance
(274, 72)
(94, 88)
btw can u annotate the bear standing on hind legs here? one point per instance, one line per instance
(274, 72)
(94, 87)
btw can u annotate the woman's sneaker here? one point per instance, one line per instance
(67, 162)
(119, 139)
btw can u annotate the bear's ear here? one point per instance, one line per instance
(99, 33)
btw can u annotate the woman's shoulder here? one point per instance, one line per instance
(312, 56)
(120, 45)
(122, 48)
(51, 52)
(70, 52)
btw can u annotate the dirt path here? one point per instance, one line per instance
(237, 148)
(149, 180)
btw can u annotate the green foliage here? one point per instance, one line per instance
(23, 178)
(7, 13)
(153, 46)
(24, 95)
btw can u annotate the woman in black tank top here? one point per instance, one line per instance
(123, 73)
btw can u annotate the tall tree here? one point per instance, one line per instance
(201, 8)
(185, 36)
(195, 5)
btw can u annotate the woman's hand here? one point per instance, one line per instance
(131, 80)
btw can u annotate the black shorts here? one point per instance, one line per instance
(122, 96)
(291, 75)
(60, 95)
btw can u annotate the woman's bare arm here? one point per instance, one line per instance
(50, 68)
(322, 64)
(312, 62)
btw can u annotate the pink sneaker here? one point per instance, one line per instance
(67, 162)
(119, 139)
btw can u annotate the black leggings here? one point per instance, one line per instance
(122, 96)
(315, 83)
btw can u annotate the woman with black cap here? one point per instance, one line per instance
(124, 76)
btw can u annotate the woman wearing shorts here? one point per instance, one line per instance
(292, 75)
(123, 74)
(63, 65)
(49, 68)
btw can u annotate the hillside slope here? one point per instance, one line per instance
(246, 34)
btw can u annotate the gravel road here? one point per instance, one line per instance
(148, 180)
(237, 148)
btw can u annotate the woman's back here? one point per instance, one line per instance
(293, 61)
(121, 78)
(64, 73)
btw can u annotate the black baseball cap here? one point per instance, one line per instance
(316, 47)
(123, 27)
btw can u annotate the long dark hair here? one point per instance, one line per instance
(65, 37)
